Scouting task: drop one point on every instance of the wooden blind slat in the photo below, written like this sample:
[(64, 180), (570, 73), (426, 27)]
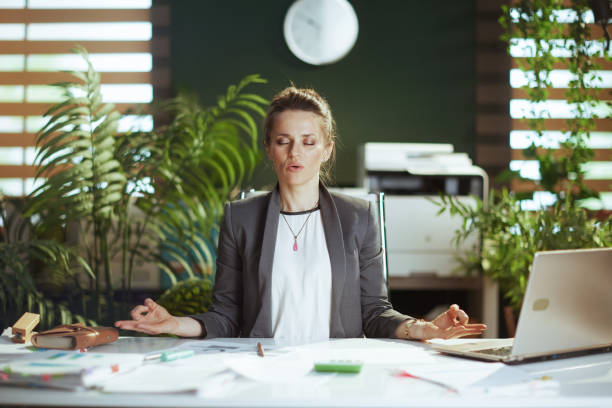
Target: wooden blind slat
[(37, 109), (600, 154), (17, 139), (564, 3), (73, 16), (65, 47), (46, 78), (492, 62), (494, 94), (492, 123), (596, 32), (605, 65), (490, 154), (17, 171), (559, 93), (601, 125), (597, 185)]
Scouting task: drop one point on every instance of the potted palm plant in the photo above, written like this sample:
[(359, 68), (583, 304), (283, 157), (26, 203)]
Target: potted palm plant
[(137, 197)]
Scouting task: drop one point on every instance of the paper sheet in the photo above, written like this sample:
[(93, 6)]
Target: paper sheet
[(11, 351), (532, 388), (370, 351), (55, 362), (462, 373), (215, 346), (285, 368), (6, 335), (218, 385), (185, 375), (224, 346)]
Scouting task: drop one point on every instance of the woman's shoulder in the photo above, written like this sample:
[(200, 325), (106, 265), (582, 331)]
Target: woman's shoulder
[(250, 203), (246, 213), (355, 212)]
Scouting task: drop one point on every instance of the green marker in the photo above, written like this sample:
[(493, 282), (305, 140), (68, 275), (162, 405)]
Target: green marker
[(170, 355), (175, 355), (339, 366)]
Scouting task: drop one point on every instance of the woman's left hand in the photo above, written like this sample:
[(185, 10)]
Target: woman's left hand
[(451, 324)]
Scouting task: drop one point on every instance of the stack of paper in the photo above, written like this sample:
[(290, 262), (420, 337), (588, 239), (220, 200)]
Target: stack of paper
[(184, 375), (67, 369)]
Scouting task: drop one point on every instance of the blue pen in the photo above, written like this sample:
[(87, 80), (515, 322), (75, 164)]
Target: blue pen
[(170, 355)]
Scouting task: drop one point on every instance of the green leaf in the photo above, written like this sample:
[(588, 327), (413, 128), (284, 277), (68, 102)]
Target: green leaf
[(169, 273), (250, 105), (104, 110), (247, 119), (53, 127), (255, 98), (105, 143), (109, 199), (237, 158)]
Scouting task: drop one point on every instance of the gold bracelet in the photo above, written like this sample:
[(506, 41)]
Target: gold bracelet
[(408, 325)]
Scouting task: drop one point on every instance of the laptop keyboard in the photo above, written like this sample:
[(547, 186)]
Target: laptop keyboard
[(497, 351)]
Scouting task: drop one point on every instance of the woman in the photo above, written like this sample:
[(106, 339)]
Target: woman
[(299, 263)]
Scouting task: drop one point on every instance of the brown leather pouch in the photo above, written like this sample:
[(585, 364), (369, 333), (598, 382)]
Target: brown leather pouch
[(74, 336)]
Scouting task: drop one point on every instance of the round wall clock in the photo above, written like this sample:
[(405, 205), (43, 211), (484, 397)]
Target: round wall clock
[(321, 31)]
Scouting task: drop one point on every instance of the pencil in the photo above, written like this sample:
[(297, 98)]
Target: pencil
[(260, 349)]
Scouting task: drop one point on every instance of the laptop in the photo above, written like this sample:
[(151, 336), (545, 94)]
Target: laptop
[(566, 311)]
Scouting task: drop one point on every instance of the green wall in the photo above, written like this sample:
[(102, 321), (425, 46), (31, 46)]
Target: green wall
[(409, 78)]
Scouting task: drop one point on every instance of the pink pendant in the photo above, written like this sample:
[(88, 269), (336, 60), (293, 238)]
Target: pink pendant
[(295, 245)]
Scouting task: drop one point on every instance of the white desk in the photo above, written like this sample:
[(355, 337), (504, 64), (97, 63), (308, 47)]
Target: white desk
[(584, 381)]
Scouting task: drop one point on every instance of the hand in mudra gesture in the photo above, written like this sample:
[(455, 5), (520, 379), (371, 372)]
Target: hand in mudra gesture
[(152, 318), (451, 324)]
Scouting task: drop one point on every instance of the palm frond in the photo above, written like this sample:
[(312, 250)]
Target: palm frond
[(201, 157), (76, 153)]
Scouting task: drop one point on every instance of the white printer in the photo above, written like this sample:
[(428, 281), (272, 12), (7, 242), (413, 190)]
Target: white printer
[(419, 242)]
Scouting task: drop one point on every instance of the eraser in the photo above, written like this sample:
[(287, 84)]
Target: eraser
[(23, 328)]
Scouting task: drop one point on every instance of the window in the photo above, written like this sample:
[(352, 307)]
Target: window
[(36, 37), (599, 171)]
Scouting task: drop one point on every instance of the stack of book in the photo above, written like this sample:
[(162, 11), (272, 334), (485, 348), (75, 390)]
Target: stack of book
[(72, 370)]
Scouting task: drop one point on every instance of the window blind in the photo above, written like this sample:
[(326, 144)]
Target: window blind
[(599, 171), (36, 38), (492, 150)]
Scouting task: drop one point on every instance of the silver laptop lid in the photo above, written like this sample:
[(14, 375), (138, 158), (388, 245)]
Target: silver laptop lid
[(568, 303)]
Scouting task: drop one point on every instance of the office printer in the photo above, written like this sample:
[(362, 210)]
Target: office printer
[(419, 242)]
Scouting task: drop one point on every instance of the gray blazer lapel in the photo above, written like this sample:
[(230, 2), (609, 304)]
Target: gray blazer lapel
[(263, 323), (335, 247)]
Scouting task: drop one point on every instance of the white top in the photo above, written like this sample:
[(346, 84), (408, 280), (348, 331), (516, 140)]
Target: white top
[(301, 279)]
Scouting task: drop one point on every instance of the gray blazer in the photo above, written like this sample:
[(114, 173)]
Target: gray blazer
[(241, 294)]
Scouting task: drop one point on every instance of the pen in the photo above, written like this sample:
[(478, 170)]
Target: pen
[(166, 356), (260, 350), (405, 374)]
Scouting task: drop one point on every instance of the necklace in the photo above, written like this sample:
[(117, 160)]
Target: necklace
[(295, 236)]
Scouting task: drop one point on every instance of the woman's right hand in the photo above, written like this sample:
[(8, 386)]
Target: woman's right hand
[(152, 318)]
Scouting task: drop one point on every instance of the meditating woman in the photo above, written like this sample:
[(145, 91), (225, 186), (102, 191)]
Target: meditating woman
[(299, 263)]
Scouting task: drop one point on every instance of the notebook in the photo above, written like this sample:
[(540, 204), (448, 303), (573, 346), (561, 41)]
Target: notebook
[(565, 311), (69, 370)]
